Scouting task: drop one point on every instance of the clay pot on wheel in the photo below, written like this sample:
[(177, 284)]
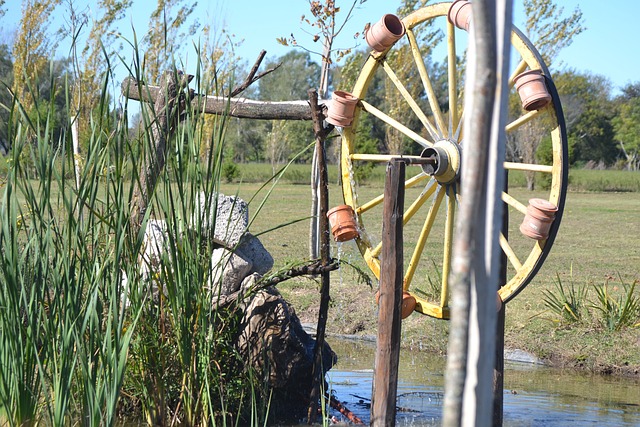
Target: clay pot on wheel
[(342, 107), (460, 14), (532, 89), (384, 33), (408, 304), (538, 220), (343, 223)]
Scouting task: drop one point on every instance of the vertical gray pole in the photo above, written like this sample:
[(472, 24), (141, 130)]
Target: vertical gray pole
[(385, 374), (475, 270)]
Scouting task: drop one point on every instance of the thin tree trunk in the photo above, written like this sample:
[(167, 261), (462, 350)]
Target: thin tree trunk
[(162, 127), (474, 281)]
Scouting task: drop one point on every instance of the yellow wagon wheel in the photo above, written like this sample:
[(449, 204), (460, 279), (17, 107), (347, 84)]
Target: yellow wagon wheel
[(432, 126)]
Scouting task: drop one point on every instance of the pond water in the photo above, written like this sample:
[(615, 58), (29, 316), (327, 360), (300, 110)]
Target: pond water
[(534, 395)]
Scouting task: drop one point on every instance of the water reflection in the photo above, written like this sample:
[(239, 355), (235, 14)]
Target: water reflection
[(533, 396)]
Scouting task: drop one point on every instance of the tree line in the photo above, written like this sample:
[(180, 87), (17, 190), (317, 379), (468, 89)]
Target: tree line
[(603, 127)]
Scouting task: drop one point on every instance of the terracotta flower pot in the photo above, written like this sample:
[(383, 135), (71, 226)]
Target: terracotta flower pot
[(460, 14), (538, 220), (343, 223), (408, 304), (384, 33), (342, 108), (532, 89)]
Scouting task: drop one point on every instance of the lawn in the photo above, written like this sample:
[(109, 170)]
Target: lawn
[(598, 243)]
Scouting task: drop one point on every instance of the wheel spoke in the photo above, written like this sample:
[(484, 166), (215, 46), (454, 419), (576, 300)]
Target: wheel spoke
[(417, 204), (448, 246), (508, 251), (395, 124), (422, 239), (453, 78), (377, 200), (522, 65), (381, 158), (412, 103), (426, 82), (522, 120), (529, 167), (509, 200)]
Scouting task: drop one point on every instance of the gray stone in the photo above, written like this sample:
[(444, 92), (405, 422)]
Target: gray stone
[(154, 243), (228, 270), (251, 249), (225, 220)]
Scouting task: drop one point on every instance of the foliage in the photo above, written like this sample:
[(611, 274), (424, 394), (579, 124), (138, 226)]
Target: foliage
[(91, 64), (568, 303), (166, 34), (626, 125), (32, 48), (80, 307), (230, 170), (617, 312), (588, 110), (549, 28)]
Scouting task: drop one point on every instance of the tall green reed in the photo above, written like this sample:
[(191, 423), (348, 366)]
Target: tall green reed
[(64, 252)]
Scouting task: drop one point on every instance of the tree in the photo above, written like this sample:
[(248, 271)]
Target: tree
[(291, 81), (32, 48), (166, 34), (550, 30), (626, 125), (586, 100), (91, 65)]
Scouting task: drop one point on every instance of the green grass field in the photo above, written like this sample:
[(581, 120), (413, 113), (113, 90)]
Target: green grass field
[(598, 243)]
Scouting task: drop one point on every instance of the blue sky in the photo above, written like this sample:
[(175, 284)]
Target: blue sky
[(604, 48)]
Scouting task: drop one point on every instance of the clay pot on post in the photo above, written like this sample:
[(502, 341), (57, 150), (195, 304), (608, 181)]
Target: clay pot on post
[(343, 223), (342, 108), (460, 14), (538, 220), (532, 89), (384, 33)]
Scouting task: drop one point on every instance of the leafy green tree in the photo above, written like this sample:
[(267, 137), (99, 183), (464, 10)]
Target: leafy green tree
[(550, 30), (91, 65), (32, 49), (166, 34), (297, 74), (586, 100), (626, 125)]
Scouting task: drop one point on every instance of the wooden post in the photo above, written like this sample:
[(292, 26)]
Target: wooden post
[(162, 127), (325, 256), (498, 370), (385, 374)]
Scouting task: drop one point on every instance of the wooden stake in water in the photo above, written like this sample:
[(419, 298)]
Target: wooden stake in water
[(385, 375)]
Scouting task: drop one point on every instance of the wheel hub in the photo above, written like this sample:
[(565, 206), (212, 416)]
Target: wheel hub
[(446, 167)]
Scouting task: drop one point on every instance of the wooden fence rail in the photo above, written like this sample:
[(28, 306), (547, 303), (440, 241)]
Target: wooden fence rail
[(244, 108)]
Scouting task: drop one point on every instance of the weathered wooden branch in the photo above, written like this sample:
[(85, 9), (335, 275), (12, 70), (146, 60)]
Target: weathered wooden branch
[(320, 132), (166, 107), (243, 108), (252, 77), (313, 268)]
